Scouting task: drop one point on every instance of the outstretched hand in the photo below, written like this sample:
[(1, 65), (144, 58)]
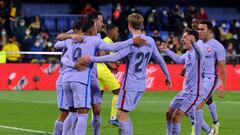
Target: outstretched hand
[(139, 41), (82, 63)]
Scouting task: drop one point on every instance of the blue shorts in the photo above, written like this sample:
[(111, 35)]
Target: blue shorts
[(61, 99), (77, 94), (127, 100)]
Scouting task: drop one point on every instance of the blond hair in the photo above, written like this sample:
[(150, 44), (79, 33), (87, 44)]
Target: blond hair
[(136, 20)]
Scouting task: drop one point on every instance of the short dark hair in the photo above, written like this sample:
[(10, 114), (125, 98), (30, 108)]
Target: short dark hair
[(110, 27), (86, 25), (208, 23), (93, 15), (77, 25), (192, 32)]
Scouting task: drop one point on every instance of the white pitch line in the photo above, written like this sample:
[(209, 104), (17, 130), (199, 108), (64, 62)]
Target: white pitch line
[(25, 130)]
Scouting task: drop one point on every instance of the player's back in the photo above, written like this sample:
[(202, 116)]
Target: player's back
[(74, 51), (137, 60)]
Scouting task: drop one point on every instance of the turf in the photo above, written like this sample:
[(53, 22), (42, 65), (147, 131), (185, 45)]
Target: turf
[(37, 110)]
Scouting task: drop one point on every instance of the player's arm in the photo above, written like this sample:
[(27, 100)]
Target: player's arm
[(64, 36), (120, 45), (60, 45), (221, 57), (112, 57), (159, 60), (222, 65), (85, 60), (69, 63), (177, 58), (198, 50)]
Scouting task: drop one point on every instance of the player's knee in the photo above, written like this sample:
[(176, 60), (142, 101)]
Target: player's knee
[(176, 117), (63, 115), (96, 109), (116, 92), (122, 115), (82, 110), (209, 101), (169, 115)]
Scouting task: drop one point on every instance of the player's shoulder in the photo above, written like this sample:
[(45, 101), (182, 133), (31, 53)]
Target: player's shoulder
[(217, 44)]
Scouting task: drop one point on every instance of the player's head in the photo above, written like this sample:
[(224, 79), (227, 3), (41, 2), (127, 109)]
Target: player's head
[(89, 28), (112, 32), (205, 30), (97, 18), (77, 27), (195, 23), (135, 22), (189, 37)]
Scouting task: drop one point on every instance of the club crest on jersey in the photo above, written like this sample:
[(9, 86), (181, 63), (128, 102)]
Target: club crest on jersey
[(209, 49)]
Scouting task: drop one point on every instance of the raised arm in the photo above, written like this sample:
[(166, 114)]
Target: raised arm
[(198, 50), (177, 58), (112, 57), (121, 45), (159, 60), (115, 46), (60, 45)]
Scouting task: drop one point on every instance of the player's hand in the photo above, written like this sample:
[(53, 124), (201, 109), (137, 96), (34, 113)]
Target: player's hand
[(77, 37), (168, 83), (221, 93), (82, 63), (139, 41), (113, 67), (182, 73), (163, 46)]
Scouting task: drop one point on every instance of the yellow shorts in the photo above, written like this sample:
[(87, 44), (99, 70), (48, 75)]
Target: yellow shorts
[(106, 79)]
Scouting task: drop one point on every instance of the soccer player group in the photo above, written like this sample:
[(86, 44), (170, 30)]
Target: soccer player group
[(78, 82)]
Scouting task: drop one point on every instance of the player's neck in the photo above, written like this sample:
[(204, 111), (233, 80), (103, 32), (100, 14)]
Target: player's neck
[(136, 32)]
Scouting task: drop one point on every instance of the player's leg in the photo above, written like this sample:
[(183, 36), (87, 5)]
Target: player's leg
[(68, 124), (62, 105), (113, 117), (96, 106), (198, 118), (213, 110), (127, 101), (176, 120), (210, 87), (82, 101), (189, 104), (175, 103)]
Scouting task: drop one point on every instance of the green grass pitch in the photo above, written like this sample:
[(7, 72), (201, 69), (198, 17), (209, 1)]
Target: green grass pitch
[(37, 110)]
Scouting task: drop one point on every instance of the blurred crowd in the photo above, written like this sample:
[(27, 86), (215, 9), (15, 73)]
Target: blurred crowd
[(19, 33)]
